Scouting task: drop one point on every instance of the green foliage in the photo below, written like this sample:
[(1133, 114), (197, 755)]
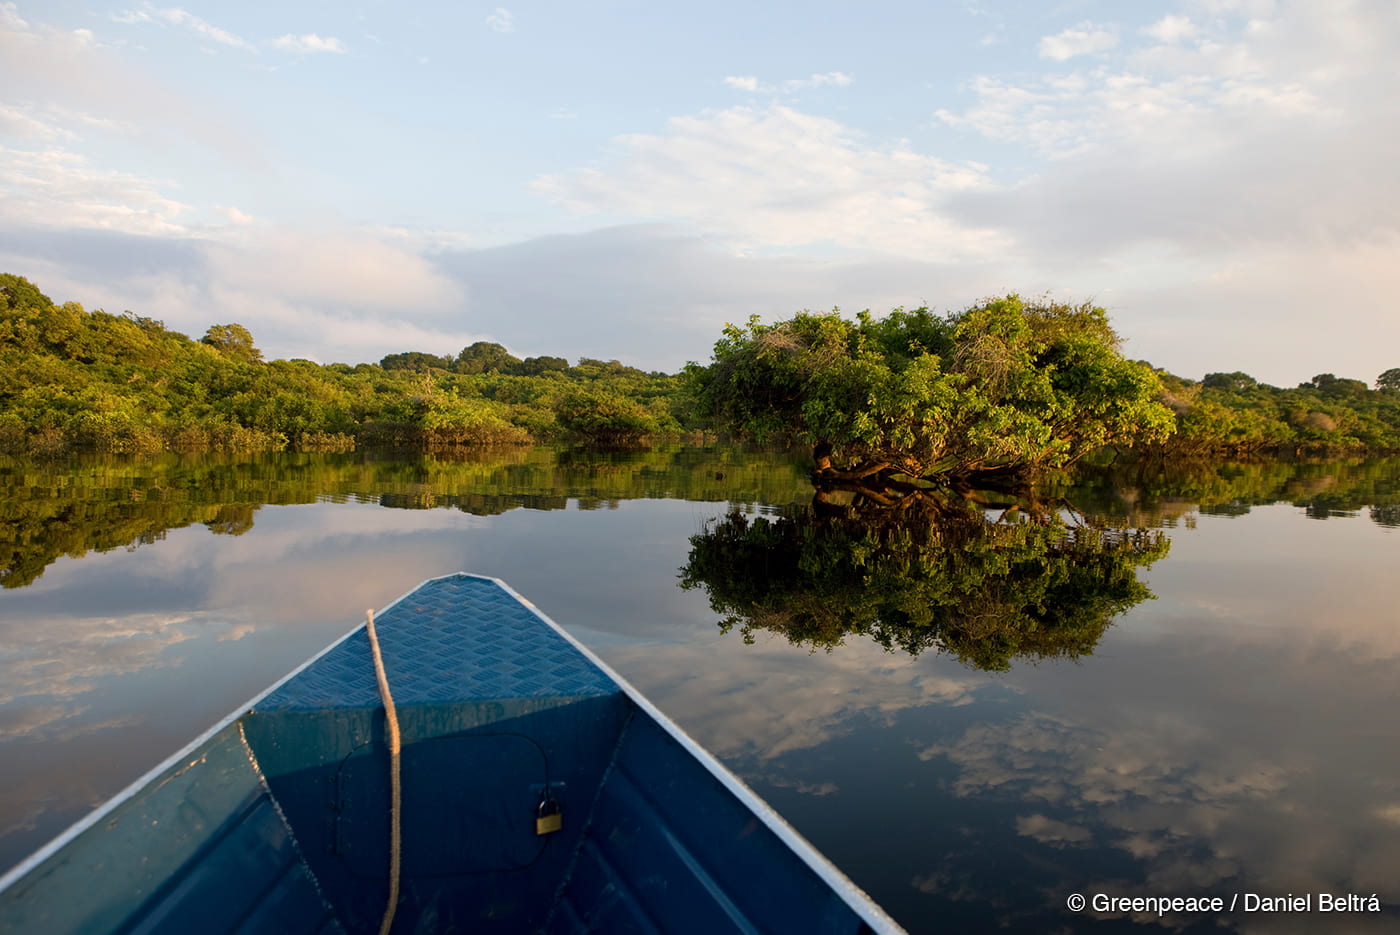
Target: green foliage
[(1006, 386), (1337, 387), (605, 417), (591, 369), (1236, 382), (484, 357), (417, 361), (19, 293), (534, 366), (77, 380), (1231, 414), (234, 341)]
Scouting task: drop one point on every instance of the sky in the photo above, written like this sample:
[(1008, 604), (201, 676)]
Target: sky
[(621, 179)]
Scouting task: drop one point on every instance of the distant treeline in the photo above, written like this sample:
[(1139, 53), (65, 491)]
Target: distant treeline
[(71, 379), (1234, 414)]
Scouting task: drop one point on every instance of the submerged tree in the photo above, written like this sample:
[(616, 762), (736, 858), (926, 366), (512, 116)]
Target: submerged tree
[(1005, 388), (934, 573)]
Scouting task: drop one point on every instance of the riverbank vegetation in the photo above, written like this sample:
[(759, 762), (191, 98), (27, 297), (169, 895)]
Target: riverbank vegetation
[(71, 379), (1005, 387)]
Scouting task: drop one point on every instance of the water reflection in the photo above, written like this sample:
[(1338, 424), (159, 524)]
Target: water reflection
[(1231, 735), (48, 510), (1201, 751), (930, 571)]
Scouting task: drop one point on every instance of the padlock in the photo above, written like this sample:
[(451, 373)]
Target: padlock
[(548, 817)]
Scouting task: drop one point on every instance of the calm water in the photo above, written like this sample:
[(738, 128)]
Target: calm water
[(1233, 733)]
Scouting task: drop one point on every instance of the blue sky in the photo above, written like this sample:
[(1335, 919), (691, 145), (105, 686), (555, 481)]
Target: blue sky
[(620, 179)]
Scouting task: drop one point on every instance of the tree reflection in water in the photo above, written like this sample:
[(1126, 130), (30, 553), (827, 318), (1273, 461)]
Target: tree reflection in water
[(987, 580)]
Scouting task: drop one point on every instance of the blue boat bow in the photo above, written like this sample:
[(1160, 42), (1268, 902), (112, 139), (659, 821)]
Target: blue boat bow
[(540, 793)]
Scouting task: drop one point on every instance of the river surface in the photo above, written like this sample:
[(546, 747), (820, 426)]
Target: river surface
[(1220, 721)]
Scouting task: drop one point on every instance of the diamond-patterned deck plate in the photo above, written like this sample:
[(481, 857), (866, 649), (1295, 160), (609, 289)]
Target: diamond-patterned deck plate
[(454, 639)]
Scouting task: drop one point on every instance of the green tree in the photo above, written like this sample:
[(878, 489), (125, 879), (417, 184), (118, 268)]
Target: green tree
[(534, 366), (233, 341), (484, 357), (418, 361), (1004, 388), (1389, 382), (16, 292), (605, 417), (1237, 382)]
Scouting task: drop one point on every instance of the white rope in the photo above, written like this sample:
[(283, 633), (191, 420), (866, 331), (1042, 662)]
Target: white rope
[(391, 718)]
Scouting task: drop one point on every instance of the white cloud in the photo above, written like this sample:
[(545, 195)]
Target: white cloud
[(65, 658), (1231, 184), (751, 84), (1172, 28), (789, 704), (175, 16), (234, 215), (303, 293), (1051, 832), (308, 44), (1264, 299), (831, 78), (54, 188), (72, 83), (1193, 146), (20, 121), (21, 43), (78, 118), (657, 295), (1208, 785), (332, 270), (775, 176), (501, 20), (423, 241), (1084, 39), (10, 18)]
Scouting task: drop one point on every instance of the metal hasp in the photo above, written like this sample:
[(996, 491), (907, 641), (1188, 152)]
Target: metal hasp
[(277, 819)]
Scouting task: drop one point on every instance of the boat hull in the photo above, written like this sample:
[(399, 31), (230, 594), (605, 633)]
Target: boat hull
[(278, 819)]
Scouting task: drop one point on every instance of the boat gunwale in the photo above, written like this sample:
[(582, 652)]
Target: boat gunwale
[(839, 883)]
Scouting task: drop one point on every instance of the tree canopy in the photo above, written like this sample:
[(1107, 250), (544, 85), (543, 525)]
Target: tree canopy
[(234, 340), (1004, 387), (485, 356)]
